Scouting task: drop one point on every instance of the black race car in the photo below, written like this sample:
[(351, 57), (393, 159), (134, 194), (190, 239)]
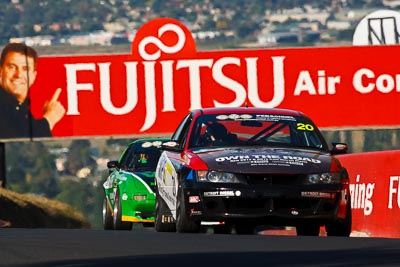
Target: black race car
[(243, 168)]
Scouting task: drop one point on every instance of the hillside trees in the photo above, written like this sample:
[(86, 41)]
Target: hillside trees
[(85, 197), (31, 169), (79, 156)]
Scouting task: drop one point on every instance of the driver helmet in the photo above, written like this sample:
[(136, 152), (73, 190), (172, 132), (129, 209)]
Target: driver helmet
[(216, 132)]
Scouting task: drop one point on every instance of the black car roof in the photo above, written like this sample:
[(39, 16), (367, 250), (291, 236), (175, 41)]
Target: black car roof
[(224, 110)]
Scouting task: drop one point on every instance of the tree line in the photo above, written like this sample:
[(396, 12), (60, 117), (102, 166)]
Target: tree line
[(64, 17)]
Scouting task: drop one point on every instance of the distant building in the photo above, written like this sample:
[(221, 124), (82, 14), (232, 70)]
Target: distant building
[(298, 14), (278, 37), (338, 25), (79, 39), (391, 3), (42, 40)]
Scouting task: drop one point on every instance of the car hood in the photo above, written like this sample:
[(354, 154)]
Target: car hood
[(146, 177), (271, 160)]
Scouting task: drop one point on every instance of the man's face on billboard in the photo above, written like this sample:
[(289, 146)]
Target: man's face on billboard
[(17, 74)]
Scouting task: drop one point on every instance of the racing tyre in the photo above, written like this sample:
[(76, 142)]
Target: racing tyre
[(107, 216), (310, 229), (183, 222), (340, 228), (118, 223), (160, 211)]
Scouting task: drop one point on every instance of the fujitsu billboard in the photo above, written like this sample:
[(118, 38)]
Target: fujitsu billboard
[(151, 89)]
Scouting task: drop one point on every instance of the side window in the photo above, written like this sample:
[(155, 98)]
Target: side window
[(198, 130), (126, 158), (180, 134)]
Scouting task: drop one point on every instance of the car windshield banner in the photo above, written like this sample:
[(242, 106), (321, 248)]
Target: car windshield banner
[(151, 89)]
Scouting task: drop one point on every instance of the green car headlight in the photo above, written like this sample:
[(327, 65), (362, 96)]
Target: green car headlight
[(323, 178), (217, 177)]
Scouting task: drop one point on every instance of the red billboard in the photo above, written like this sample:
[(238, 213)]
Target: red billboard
[(375, 192), (150, 90)]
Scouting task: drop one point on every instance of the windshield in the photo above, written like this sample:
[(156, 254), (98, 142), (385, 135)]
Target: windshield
[(255, 129), (143, 160)]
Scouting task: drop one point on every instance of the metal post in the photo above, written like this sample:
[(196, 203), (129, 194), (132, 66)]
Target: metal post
[(2, 165)]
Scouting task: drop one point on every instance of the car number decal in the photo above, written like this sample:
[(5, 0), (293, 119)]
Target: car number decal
[(305, 127)]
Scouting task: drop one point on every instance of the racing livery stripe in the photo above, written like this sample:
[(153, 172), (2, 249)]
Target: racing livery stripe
[(141, 180), (134, 219)]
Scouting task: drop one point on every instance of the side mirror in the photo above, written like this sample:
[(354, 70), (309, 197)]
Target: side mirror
[(112, 164), (339, 148)]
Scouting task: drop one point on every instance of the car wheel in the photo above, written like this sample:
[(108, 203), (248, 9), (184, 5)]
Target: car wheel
[(118, 223), (310, 229), (183, 222), (107, 216), (245, 228), (340, 228), (160, 211)]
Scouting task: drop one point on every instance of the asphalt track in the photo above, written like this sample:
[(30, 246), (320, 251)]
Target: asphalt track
[(145, 247)]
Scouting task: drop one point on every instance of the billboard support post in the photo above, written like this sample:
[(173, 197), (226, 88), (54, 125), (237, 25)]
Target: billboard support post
[(2, 165)]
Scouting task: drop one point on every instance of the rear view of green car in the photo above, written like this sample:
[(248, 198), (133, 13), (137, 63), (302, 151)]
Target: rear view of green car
[(129, 195)]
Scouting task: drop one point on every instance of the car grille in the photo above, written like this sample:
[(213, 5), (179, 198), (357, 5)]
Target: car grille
[(267, 179), (265, 206)]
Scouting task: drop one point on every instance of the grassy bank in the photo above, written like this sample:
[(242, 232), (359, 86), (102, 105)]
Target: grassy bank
[(30, 211)]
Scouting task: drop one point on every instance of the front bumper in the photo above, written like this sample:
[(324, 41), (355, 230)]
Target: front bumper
[(138, 211), (283, 205)]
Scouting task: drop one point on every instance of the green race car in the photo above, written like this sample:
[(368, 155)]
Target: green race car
[(129, 189)]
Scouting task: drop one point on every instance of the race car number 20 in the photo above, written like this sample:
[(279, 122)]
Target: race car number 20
[(305, 127)]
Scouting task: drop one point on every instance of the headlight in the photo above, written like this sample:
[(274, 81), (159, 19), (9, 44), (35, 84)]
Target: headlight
[(217, 177), (323, 178)]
